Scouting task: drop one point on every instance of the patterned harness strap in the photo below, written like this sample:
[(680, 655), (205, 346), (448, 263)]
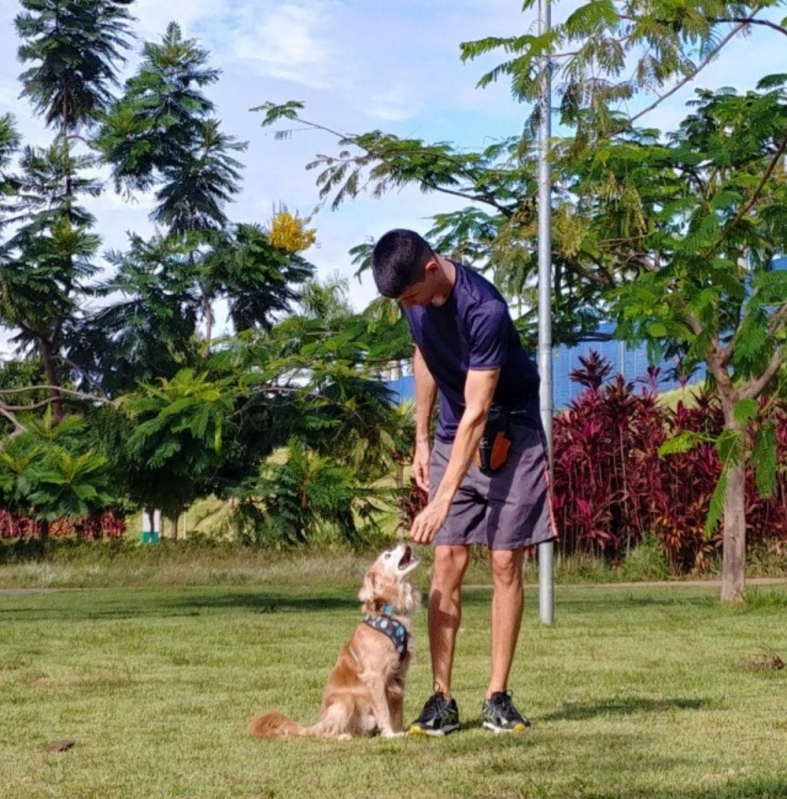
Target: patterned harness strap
[(392, 628)]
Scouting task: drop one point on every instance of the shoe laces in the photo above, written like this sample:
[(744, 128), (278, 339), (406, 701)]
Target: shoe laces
[(436, 703), (501, 701)]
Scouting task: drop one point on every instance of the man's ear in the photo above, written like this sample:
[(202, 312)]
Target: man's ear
[(431, 265)]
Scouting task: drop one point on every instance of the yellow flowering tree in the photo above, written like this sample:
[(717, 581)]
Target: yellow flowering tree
[(289, 232)]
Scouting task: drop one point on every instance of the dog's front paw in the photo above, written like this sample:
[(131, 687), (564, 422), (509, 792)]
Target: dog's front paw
[(391, 734)]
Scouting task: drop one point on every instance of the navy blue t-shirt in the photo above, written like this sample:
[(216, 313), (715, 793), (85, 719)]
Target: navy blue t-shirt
[(473, 329)]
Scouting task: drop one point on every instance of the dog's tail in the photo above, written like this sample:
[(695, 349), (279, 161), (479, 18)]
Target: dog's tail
[(275, 725)]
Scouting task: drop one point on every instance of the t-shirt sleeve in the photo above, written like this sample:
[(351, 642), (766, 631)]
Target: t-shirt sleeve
[(488, 326)]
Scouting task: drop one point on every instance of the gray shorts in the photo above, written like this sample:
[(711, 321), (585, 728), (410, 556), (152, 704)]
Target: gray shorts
[(508, 509)]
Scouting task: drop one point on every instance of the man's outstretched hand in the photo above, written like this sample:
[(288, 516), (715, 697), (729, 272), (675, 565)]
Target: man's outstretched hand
[(428, 522)]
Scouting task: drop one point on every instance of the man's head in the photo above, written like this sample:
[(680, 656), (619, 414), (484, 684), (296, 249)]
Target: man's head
[(399, 262)]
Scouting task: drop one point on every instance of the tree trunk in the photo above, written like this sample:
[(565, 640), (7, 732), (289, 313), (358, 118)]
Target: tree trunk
[(733, 568), (51, 376), (733, 559)]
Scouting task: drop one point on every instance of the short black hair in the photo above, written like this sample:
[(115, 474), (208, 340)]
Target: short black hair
[(398, 261)]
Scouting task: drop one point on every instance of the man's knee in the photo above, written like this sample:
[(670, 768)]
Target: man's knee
[(506, 567), (450, 565)]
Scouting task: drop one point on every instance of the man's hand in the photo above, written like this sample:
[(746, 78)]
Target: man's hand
[(428, 522), (421, 465)]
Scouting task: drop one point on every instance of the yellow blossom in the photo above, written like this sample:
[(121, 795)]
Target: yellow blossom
[(289, 232)]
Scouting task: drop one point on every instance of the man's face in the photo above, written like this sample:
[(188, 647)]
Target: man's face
[(422, 292)]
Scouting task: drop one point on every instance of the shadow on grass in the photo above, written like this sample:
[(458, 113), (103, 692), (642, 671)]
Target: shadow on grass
[(609, 599), (767, 788), (623, 707), (92, 605), (102, 604)]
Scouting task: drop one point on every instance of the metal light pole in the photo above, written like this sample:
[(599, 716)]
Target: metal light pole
[(546, 552)]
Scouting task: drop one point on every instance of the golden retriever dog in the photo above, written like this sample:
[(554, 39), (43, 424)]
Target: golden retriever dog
[(365, 691)]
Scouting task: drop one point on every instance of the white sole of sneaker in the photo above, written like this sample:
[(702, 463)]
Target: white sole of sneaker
[(488, 725), (432, 733)]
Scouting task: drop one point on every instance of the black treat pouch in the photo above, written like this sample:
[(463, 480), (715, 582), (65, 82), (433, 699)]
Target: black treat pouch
[(494, 445)]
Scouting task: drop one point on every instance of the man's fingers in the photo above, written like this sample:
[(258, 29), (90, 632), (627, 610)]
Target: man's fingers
[(422, 478)]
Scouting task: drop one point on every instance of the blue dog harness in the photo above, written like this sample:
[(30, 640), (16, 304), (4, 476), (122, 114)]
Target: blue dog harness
[(390, 627)]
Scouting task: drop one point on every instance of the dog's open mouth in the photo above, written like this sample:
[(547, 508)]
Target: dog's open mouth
[(407, 561)]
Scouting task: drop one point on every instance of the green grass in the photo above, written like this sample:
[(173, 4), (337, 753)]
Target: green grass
[(647, 692)]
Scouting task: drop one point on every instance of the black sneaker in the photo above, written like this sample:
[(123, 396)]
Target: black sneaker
[(500, 715), (439, 717)]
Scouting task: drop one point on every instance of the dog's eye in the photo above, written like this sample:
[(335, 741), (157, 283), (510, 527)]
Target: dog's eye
[(387, 555)]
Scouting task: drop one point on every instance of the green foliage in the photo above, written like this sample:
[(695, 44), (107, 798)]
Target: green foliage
[(75, 47), (604, 53), (685, 441), (161, 131), (646, 561), (190, 416), (69, 486), (47, 262), (147, 329), (172, 446), (53, 471), (308, 496), (260, 282), (9, 142), (765, 459)]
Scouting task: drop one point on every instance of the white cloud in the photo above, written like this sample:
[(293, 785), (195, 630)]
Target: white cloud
[(282, 41), (153, 16)]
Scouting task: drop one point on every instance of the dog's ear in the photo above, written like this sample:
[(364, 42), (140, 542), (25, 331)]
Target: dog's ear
[(368, 587)]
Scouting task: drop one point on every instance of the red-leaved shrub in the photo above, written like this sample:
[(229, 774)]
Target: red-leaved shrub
[(94, 528), (611, 487)]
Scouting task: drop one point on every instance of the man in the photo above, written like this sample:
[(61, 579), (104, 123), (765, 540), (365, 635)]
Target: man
[(468, 354)]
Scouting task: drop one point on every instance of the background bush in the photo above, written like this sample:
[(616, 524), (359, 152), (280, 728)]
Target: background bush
[(612, 489)]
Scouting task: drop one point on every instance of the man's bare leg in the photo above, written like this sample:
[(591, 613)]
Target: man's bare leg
[(507, 605), (445, 611)]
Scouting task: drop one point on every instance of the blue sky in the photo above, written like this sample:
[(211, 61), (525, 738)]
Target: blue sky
[(358, 65)]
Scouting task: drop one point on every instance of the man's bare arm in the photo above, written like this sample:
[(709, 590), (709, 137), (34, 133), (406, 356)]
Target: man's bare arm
[(479, 391), (425, 396)]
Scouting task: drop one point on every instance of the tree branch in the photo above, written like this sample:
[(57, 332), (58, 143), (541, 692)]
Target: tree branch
[(750, 204), (713, 53), (19, 428), (76, 394), (757, 386)]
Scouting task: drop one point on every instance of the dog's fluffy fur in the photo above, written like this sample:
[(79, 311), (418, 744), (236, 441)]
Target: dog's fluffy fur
[(365, 691)]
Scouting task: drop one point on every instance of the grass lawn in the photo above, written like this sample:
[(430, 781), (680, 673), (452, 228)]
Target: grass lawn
[(642, 691)]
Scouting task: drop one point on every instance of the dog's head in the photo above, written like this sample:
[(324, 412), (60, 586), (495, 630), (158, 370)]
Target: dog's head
[(386, 583)]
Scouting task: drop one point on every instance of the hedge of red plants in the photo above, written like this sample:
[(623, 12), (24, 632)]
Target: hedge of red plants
[(93, 528), (611, 488)]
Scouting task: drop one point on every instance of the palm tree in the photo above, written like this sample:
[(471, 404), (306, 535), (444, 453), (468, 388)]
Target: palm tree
[(9, 141), (147, 331), (260, 282), (48, 259), (157, 123), (172, 444), (75, 46), (197, 187)]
